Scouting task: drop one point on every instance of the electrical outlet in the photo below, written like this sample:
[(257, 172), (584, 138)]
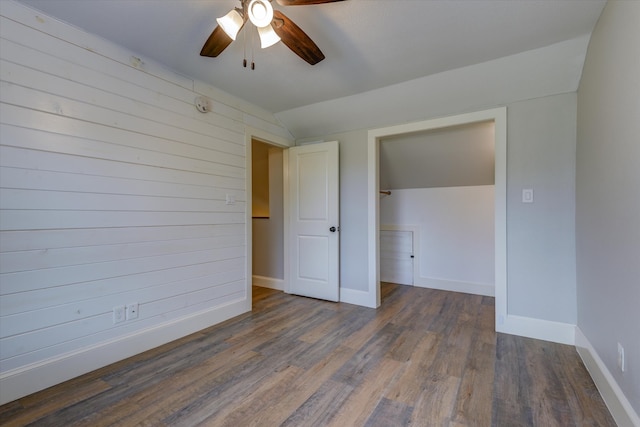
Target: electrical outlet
[(132, 311), (621, 357), (119, 314)]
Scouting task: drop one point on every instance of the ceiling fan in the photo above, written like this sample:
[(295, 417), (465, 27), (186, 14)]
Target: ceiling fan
[(272, 26)]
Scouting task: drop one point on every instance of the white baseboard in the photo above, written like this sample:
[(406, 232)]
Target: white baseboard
[(352, 296), (268, 282), (455, 286), (619, 406), (546, 330), (26, 380)]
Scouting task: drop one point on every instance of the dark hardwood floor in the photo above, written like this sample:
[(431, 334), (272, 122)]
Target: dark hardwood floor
[(425, 358)]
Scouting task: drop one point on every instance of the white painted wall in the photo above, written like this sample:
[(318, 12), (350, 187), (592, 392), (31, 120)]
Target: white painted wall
[(456, 156), (540, 147), (456, 232), (608, 203), (112, 191), (541, 235), (353, 210), (546, 79)]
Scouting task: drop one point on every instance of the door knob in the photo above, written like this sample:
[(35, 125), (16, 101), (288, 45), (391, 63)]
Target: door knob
[(332, 229)]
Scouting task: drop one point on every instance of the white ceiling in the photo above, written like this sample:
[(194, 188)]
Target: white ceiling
[(368, 44)]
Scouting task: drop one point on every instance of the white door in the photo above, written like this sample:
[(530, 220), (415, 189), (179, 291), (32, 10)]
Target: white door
[(396, 257), (313, 217)]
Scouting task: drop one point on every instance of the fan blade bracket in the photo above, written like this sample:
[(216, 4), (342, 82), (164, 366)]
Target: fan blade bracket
[(277, 23)]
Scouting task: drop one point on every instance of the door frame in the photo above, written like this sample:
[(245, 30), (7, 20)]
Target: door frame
[(284, 143), (499, 117)]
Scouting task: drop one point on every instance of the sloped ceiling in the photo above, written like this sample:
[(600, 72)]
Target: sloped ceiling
[(369, 44), (448, 157)]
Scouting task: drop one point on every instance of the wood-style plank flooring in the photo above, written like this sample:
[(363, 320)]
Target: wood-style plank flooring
[(425, 358)]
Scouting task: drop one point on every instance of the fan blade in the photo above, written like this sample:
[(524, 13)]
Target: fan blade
[(296, 39), (303, 2), (216, 43)]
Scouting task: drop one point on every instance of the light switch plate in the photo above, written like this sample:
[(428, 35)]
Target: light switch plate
[(527, 195)]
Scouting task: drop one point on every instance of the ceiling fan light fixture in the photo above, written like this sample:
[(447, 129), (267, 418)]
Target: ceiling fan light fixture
[(268, 36), (260, 13), (231, 23), (272, 25)]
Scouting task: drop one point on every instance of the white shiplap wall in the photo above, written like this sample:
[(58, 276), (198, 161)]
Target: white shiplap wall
[(112, 191)]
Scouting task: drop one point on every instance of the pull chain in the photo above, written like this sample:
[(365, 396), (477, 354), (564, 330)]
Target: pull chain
[(253, 64), (244, 47)]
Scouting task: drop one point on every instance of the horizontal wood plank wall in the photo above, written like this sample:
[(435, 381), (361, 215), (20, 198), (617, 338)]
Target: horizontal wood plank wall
[(112, 191)]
